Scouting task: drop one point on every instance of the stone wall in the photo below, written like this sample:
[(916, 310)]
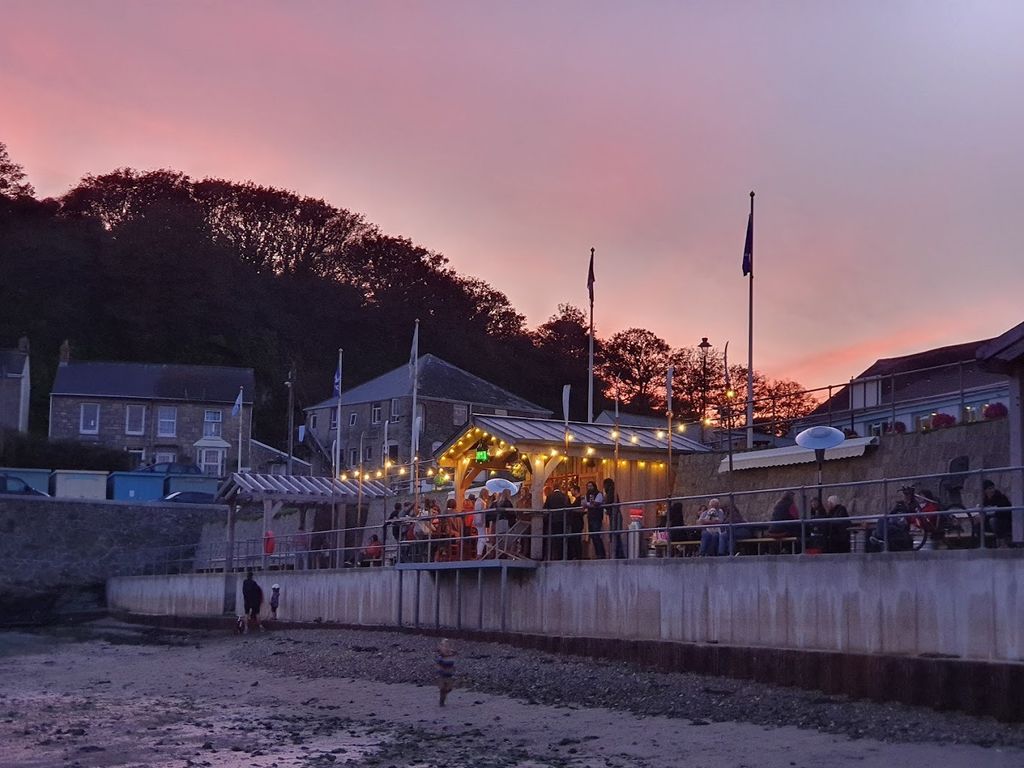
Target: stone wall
[(896, 456), (55, 554)]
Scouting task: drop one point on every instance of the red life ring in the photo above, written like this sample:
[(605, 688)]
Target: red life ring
[(269, 545)]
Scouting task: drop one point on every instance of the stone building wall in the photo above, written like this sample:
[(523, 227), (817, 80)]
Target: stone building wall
[(897, 456), (56, 552)]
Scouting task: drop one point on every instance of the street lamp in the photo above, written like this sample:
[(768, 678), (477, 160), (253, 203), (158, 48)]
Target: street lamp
[(704, 346)]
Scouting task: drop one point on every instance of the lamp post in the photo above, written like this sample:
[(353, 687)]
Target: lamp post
[(704, 346)]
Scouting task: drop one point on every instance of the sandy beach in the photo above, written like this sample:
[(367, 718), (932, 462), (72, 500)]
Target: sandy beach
[(110, 694)]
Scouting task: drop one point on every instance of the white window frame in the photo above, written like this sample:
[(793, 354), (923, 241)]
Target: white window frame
[(218, 464), (376, 413), (391, 452), (396, 405), (139, 453), (334, 420), (95, 429), (165, 457), (312, 421), (353, 418), (162, 419), (367, 454), (353, 457), (213, 427), (128, 409), (460, 414)]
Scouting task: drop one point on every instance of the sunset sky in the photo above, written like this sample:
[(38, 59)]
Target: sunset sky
[(885, 141)]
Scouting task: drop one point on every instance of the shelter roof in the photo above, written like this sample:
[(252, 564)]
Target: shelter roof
[(528, 432), (1001, 353), (794, 454), (631, 419), (154, 381), (297, 489), (438, 379)]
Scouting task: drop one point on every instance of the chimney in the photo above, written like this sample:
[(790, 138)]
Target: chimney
[(65, 352), (23, 344)]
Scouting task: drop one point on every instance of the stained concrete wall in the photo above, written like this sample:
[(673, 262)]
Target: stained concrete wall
[(896, 456), (966, 604)]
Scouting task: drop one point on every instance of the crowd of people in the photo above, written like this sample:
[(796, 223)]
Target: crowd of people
[(575, 517)]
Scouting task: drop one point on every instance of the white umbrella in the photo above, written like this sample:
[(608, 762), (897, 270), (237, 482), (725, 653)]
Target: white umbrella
[(499, 484)]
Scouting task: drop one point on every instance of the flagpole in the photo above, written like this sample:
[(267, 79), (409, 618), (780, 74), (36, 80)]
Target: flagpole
[(668, 413), (750, 333), (414, 359), (337, 433), (241, 418), (590, 368)]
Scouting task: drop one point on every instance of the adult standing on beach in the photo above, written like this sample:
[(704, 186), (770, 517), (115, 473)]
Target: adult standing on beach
[(252, 599)]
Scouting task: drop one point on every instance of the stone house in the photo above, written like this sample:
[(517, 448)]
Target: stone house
[(376, 415), (158, 413), (15, 387)]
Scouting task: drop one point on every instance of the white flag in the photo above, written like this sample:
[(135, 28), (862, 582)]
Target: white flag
[(414, 354), (237, 408), (565, 402)]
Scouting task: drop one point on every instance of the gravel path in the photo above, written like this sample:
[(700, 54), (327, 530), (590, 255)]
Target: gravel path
[(567, 681)]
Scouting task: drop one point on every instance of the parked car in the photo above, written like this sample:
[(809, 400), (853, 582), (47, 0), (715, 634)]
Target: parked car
[(190, 497), (15, 485), (173, 468)]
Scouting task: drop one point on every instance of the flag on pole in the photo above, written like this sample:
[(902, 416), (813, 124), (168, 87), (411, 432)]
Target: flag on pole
[(748, 247), (337, 379), (565, 403), (590, 277), (414, 354), (237, 407)]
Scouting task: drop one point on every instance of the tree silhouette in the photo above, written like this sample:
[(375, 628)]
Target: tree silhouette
[(12, 177)]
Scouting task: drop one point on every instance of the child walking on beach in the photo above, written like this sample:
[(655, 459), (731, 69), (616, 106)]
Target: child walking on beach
[(445, 669)]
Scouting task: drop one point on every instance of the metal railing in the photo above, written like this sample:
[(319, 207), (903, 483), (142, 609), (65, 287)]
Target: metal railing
[(563, 534)]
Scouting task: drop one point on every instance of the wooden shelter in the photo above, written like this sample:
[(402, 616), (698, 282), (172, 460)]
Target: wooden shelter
[(336, 503), (542, 452)]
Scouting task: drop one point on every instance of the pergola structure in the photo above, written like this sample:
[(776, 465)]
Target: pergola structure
[(272, 492), (543, 451)]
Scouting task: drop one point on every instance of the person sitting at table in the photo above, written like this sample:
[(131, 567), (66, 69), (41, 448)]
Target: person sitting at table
[(835, 526), (373, 550), (892, 531), (999, 522), (783, 513), (730, 535), (709, 536)]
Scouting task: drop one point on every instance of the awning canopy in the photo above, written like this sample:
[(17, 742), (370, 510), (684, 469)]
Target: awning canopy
[(526, 434), (297, 489), (794, 454)]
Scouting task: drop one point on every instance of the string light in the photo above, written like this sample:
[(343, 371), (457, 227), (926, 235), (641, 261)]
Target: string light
[(634, 439), (590, 451), (661, 434)]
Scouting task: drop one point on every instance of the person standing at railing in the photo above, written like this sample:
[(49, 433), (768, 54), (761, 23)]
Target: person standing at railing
[(556, 504), (613, 504), (574, 523), (480, 520), (593, 504)]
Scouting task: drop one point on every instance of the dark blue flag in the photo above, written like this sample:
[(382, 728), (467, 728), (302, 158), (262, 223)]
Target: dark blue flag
[(748, 248)]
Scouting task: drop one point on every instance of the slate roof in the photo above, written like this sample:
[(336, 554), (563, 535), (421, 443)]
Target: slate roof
[(1001, 353), (521, 431), (12, 362), (154, 381), (631, 419), (923, 375), (438, 379)]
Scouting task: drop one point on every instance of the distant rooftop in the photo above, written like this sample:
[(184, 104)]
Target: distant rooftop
[(154, 381), (438, 379), (12, 362)]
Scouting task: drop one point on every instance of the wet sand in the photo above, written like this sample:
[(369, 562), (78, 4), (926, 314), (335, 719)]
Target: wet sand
[(114, 695)]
